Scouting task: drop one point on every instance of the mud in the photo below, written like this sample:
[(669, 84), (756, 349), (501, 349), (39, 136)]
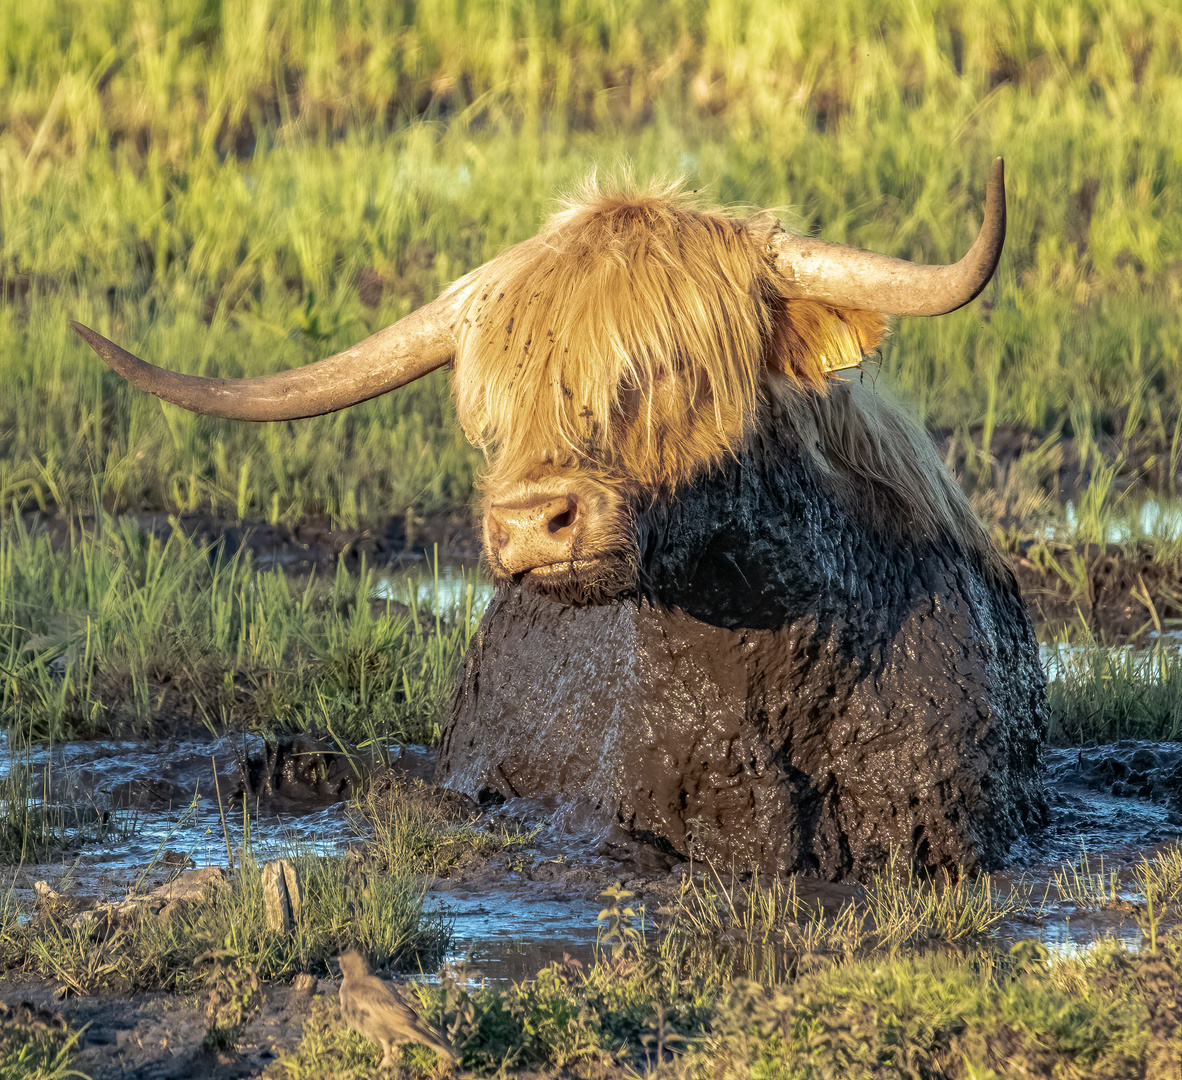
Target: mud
[(178, 803), (312, 544), (518, 911), (1131, 768), (795, 681), (160, 1036)]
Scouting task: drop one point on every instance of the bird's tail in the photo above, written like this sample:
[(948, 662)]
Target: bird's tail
[(437, 1042)]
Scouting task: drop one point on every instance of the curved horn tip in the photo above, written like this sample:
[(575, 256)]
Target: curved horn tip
[(111, 354), (996, 184), (91, 337)]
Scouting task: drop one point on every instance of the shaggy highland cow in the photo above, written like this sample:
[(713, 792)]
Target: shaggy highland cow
[(741, 608)]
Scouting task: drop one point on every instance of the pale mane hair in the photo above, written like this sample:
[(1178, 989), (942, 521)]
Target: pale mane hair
[(640, 337)]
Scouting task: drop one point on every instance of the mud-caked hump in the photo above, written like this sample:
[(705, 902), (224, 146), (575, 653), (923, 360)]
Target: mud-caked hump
[(801, 689)]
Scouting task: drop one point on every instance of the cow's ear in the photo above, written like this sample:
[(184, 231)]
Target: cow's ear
[(810, 339)]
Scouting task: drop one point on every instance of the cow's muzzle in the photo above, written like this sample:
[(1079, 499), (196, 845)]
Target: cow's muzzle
[(534, 534)]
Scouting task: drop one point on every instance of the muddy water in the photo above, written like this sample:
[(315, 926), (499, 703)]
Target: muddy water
[(448, 587), (182, 800), (520, 912), (168, 802)]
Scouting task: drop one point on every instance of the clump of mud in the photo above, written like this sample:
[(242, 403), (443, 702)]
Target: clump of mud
[(1131, 768)]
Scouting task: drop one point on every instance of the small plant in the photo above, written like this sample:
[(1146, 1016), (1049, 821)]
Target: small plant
[(1160, 875), (233, 995), (617, 923), (412, 828), (906, 909), (1090, 887), (35, 1044)]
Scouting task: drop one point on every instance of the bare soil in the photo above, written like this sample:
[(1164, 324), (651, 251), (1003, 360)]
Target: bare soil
[(160, 1036), (1120, 591)]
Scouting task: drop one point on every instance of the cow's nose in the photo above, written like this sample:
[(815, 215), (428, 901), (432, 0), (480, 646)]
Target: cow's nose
[(533, 533)]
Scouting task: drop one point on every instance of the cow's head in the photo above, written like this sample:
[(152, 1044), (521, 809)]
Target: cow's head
[(621, 352)]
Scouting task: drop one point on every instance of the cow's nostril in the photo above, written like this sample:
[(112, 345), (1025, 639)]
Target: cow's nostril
[(565, 518)]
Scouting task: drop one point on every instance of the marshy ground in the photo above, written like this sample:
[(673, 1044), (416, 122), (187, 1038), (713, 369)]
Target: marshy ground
[(221, 643), (180, 703)]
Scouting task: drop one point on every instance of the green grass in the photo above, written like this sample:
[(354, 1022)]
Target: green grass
[(385, 915), (297, 175), (123, 632), (37, 1056), (1099, 694), (407, 826), (988, 1012), (762, 929)]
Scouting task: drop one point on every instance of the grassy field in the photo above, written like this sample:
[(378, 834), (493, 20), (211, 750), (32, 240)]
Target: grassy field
[(237, 186), (125, 634), (983, 1016), (119, 633)]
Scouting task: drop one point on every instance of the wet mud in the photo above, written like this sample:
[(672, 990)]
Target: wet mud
[(160, 1036), (513, 912), (516, 910), (309, 545)]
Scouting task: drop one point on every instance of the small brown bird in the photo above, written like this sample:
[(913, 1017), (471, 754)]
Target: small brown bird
[(374, 1008)]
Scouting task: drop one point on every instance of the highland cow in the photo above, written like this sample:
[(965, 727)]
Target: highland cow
[(741, 608)]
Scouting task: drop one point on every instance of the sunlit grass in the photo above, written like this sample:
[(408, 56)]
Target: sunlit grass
[(652, 1005), (123, 632), (243, 187), (406, 826), (763, 927), (38, 1056), (385, 915)]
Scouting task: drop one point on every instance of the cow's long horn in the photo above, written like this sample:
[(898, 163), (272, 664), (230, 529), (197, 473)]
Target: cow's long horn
[(392, 357), (853, 278)]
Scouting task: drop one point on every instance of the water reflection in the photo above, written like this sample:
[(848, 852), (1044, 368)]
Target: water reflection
[(1159, 519), (451, 588)]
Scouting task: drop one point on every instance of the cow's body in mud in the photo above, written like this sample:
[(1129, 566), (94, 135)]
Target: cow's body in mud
[(741, 607), (791, 688)]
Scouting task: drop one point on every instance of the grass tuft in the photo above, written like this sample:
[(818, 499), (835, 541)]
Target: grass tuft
[(385, 916), (125, 633), (409, 827), (1101, 694)]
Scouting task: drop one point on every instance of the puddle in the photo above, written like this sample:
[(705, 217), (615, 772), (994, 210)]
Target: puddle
[(164, 798), (1117, 802), (503, 936), (1159, 519), (450, 588), (1150, 661)]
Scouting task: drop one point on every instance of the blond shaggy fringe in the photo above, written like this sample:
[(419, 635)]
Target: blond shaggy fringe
[(640, 335)]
